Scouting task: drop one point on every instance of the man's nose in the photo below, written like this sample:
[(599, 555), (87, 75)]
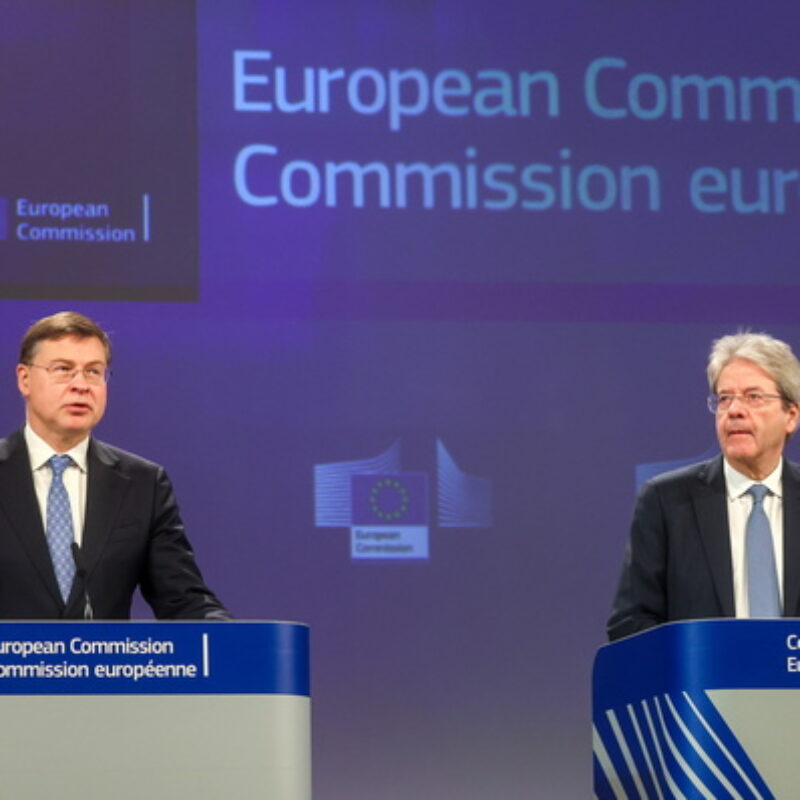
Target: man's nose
[(737, 405), (78, 380)]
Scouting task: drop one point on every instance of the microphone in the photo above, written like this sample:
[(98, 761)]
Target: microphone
[(81, 574)]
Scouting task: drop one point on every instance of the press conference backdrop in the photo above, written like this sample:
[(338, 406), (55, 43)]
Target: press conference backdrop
[(403, 294)]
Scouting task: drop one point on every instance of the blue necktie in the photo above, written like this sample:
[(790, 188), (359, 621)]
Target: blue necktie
[(762, 577), (59, 526)]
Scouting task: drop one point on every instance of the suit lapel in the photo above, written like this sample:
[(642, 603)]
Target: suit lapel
[(791, 539), (711, 508), (21, 508), (106, 488)]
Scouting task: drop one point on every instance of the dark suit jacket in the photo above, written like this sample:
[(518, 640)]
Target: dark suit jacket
[(133, 536), (678, 562)]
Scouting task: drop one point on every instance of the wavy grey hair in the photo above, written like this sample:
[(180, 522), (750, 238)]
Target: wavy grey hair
[(772, 355)]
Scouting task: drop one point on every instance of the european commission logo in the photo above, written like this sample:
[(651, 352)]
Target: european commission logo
[(390, 515), (70, 222), (389, 511)]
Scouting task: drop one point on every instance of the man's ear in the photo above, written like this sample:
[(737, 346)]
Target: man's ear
[(791, 423), (23, 379)]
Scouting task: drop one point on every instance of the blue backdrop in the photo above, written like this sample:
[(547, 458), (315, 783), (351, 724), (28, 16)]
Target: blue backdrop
[(401, 294)]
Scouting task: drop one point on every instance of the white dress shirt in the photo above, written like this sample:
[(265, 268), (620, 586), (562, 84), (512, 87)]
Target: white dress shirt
[(739, 506)]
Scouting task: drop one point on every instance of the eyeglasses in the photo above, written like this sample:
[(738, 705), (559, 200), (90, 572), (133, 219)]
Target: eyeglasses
[(62, 373), (722, 402)]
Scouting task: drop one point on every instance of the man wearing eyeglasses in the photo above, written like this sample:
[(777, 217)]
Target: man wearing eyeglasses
[(722, 538), (82, 524)]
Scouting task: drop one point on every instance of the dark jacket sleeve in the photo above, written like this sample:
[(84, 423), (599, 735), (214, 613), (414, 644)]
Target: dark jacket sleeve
[(171, 581), (641, 598), (678, 562)]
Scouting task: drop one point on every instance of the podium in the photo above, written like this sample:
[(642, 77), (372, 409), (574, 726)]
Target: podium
[(704, 709), (124, 710)]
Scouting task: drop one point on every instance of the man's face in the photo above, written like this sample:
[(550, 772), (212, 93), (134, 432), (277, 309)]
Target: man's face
[(63, 413), (752, 439)]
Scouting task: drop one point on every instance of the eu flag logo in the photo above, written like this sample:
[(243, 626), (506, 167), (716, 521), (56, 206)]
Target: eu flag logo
[(399, 498)]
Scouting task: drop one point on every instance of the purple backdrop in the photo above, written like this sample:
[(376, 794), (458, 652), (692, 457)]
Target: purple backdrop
[(505, 310)]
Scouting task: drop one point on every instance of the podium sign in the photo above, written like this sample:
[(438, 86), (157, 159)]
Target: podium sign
[(704, 709), (126, 710)]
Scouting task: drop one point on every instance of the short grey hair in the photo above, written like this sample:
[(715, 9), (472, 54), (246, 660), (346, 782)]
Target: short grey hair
[(772, 355)]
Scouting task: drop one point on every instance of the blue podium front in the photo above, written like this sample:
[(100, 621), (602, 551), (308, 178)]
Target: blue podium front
[(704, 709), (202, 710)]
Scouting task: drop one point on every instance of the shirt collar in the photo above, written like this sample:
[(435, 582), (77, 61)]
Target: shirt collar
[(40, 452), (738, 484)]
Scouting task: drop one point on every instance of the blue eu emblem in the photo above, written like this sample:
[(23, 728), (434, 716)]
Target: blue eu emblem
[(390, 515)]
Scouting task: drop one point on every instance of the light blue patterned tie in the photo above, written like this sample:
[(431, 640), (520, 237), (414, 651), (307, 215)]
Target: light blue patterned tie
[(59, 526), (762, 577)]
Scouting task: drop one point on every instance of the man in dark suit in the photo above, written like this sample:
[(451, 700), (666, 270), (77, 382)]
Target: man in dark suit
[(692, 550), (59, 486)]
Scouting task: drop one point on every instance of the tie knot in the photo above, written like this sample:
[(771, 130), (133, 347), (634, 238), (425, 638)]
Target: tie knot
[(758, 491), (58, 464)]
